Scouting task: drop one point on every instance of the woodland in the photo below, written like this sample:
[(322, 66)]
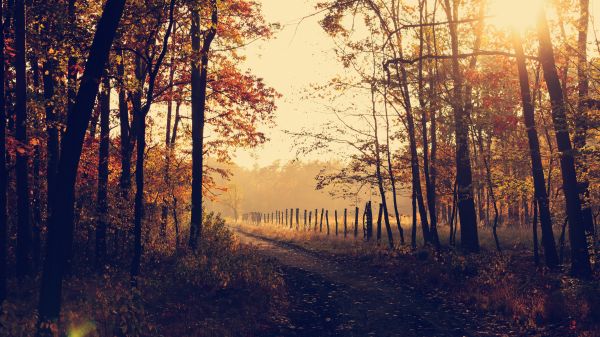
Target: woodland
[(470, 144)]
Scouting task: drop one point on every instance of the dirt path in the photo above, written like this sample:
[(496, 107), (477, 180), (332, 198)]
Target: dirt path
[(330, 298)]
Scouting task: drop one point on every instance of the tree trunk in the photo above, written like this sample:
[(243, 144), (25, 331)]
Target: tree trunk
[(430, 190), (581, 118), (3, 173), (102, 202), (537, 169), (125, 178), (199, 83), (580, 260), (378, 171), (23, 251), (391, 168), (466, 205), (369, 216), (536, 256), (60, 224)]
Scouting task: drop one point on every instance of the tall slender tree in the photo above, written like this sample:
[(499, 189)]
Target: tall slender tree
[(23, 252), (464, 177), (199, 70), (102, 193), (537, 170), (3, 178), (60, 223), (580, 260)]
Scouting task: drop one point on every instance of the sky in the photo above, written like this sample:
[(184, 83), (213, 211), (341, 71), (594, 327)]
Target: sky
[(301, 54), (298, 56)]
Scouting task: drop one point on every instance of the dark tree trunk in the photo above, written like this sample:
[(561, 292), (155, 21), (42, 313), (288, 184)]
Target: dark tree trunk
[(413, 233), (466, 205), (36, 217), (580, 260), (23, 251), (391, 169), (102, 202), (581, 118), (536, 255), (3, 173), (145, 73), (60, 224), (52, 151), (140, 126), (378, 172), (369, 216), (72, 62), (430, 190), (164, 218), (537, 169), (125, 178), (199, 83)]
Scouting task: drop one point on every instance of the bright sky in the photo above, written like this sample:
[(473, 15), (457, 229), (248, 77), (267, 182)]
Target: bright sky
[(298, 56), (301, 54)]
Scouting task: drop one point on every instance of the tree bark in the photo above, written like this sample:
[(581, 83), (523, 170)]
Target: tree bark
[(3, 173), (580, 260), (582, 118), (464, 178), (537, 169), (102, 196), (199, 83), (23, 251), (60, 224)]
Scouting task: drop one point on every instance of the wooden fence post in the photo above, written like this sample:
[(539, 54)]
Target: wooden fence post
[(305, 220), (321, 222), (345, 224), (316, 213), (309, 220), (286, 217), (356, 210), (297, 218), (327, 220), (379, 223), (336, 223)]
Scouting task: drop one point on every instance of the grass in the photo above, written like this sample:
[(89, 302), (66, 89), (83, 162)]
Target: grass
[(509, 284), (225, 289)]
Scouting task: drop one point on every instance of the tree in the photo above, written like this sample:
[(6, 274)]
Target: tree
[(24, 227), (3, 173), (199, 83), (103, 170), (464, 179), (537, 170), (580, 261), (60, 223)]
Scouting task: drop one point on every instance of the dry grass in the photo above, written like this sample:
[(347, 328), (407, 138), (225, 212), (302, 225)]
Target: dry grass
[(507, 284)]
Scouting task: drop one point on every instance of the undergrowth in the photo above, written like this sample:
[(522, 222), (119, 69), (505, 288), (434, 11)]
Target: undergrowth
[(224, 289), (507, 284)]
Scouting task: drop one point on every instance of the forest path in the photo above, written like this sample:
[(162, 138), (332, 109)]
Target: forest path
[(328, 297)]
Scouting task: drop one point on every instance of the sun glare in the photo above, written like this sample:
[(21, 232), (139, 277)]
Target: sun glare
[(514, 14)]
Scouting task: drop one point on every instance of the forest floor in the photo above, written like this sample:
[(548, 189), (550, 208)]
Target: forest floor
[(340, 294)]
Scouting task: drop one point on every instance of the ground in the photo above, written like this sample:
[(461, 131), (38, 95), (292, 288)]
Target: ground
[(346, 297)]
